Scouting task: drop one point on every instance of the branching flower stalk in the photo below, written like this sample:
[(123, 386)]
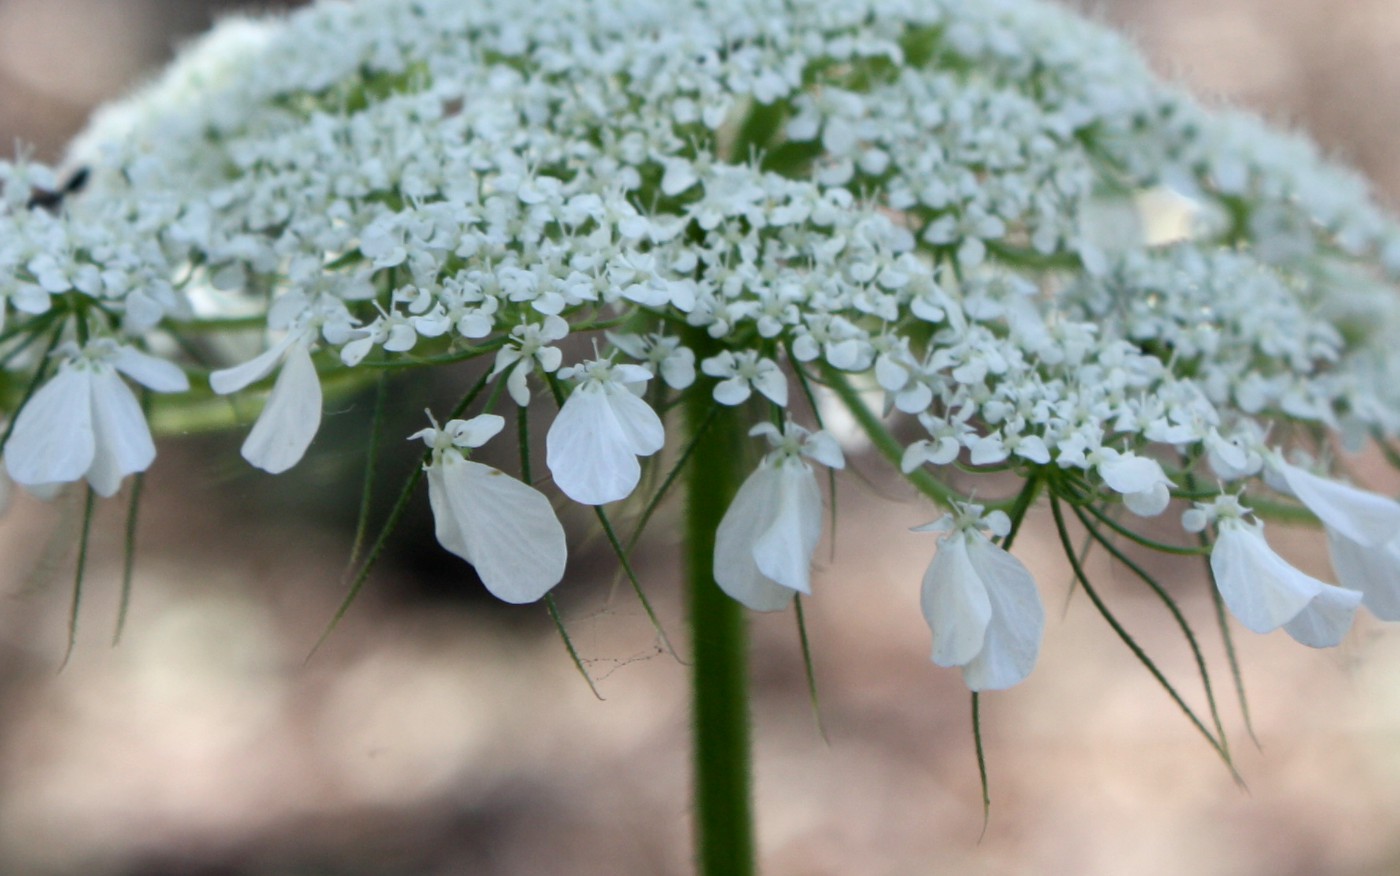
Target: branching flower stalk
[(692, 232)]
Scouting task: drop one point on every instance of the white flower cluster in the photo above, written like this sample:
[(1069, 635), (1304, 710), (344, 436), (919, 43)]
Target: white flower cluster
[(733, 197)]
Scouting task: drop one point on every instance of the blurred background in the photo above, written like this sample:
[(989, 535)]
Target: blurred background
[(438, 732)]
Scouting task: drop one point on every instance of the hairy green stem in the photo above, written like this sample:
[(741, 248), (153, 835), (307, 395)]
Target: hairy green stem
[(723, 799)]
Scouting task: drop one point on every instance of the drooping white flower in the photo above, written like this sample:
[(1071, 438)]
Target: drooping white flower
[(292, 414), (1375, 571), (764, 544), (603, 426), (1261, 589), (86, 422), (980, 602), (506, 529), (1362, 516), (1145, 488)]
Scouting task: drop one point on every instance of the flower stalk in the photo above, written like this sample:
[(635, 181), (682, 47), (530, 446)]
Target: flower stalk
[(720, 734)]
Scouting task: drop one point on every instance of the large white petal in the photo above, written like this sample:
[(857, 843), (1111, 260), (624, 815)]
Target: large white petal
[(1012, 642), (1326, 620), (1375, 571), (52, 441), (1131, 474), (233, 379), (748, 516), (588, 451), (504, 528), (1261, 589), (783, 551), (1360, 515), (955, 603), (150, 371), (123, 440), (290, 418), (638, 422)]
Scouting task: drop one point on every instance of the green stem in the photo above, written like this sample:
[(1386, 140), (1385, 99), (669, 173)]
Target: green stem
[(724, 831)]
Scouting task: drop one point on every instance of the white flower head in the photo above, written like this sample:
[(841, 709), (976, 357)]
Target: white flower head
[(764, 544), (603, 426), (980, 602), (1261, 589), (506, 529), (86, 422)]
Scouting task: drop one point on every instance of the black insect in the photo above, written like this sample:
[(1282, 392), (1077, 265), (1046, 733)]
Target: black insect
[(51, 200)]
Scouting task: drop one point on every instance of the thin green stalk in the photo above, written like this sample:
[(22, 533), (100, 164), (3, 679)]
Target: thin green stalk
[(129, 556), (723, 798), (88, 506)]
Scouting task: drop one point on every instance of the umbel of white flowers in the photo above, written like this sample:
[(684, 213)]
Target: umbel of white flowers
[(985, 218)]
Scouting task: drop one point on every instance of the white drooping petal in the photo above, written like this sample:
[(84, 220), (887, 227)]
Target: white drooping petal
[(1375, 571), (53, 439), (746, 520), (784, 550), (955, 603), (122, 442), (1127, 473), (150, 371), (1149, 502), (290, 418), (1012, 642), (593, 444), (1262, 590), (824, 448), (1326, 620), (1360, 515), (506, 529), (734, 391), (228, 380)]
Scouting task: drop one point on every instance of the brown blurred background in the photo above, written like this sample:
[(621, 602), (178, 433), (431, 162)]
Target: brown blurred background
[(440, 733)]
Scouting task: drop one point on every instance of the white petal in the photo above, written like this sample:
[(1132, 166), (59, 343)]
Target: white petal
[(1260, 588), (749, 515), (734, 391), (1012, 641), (1373, 571), (504, 528), (290, 418), (783, 551), (122, 439), (642, 427), (476, 431), (772, 384), (233, 379), (824, 448), (1360, 515), (1326, 620), (53, 441), (1131, 474), (150, 371), (1148, 503), (589, 451), (955, 603)]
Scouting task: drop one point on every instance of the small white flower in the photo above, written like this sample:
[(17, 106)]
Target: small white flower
[(506, 529), (742, 373), (531, 347), (86, 422), (764, 544), (603, 426), (980, 602), (1261, 589)]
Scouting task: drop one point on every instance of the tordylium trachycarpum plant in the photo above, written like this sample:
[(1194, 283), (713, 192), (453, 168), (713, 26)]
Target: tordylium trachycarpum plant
[(702, 235)]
